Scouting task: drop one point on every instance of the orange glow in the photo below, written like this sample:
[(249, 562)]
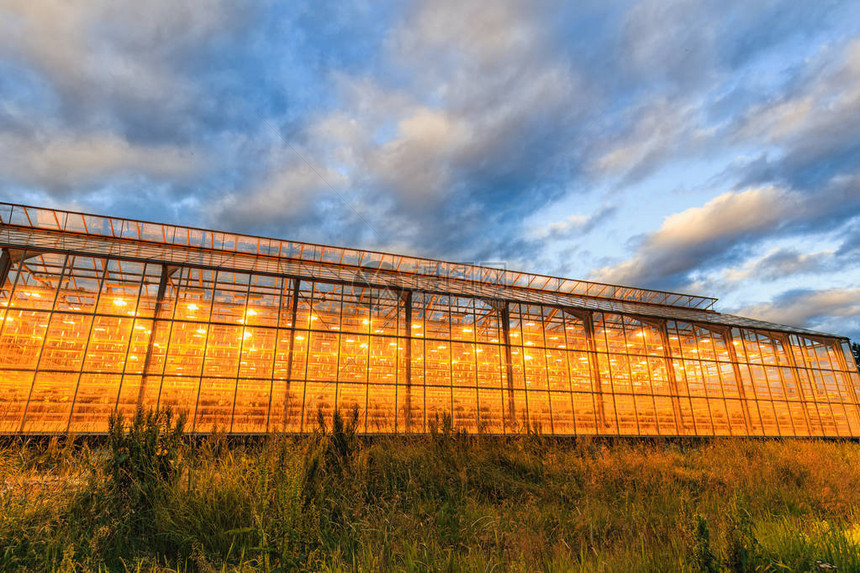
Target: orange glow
[(253, 352)]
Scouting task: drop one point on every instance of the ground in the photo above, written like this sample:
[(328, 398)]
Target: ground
[(147, 498)]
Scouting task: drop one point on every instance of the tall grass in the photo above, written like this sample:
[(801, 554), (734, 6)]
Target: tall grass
[(149, 499)]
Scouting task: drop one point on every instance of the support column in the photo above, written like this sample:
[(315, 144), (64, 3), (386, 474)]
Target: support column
[(660, 325), (786, 347), (166, 272), (9, 257), (505, 316), (588, 323), (5, 266), (406, 297), (733, 356), (294, 311)]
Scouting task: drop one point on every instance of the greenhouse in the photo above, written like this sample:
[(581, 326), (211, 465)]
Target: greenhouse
[(253, 335)]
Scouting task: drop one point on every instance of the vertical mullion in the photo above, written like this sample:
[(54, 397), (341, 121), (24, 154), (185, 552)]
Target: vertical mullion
[(408, 326), (367, 383), (294, 304), (670, 374), (131, 336), (66, 263), (473, 303), (339, 341), (87, 343), (509, 365), (6, 314), (281, 283), (159, 298), (564, 319), (241, 350), (764, 373), (783, 339), (205, 343), (307, 347), (633, 394), (546, 369), (733, 357)]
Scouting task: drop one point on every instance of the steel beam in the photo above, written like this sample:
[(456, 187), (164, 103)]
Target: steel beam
[(166, 273), (294, 311), (406, 297), (588, 324)]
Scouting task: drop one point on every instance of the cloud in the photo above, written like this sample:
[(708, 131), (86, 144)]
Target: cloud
[(696, 237), (441, 153), (446, 127), (62, 162), (832, 310), (289, 195), (782, 262), (117, 67), (573, 225)]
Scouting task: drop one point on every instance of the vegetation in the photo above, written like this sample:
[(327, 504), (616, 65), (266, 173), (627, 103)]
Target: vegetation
[(149, 499)]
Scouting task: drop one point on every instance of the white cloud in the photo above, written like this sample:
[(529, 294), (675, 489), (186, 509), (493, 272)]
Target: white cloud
[(691, 238), (62, 161), (810, 309), (778, 263)]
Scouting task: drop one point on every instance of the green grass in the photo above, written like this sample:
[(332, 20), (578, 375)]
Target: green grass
[(149, 499)]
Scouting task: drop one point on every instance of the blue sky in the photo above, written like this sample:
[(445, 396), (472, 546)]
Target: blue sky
[(702, 147)]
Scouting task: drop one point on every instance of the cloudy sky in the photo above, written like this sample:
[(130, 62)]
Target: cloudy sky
[(702, 147)]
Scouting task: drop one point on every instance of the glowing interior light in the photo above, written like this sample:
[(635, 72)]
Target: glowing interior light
[(416, 325), (34, 294), (201, 331), (9, 319), (139, 327), (119, 302), (312, 317), (494, 340), (467, 330), (252, 312), (192, 307), (300, 337), (530, 324), (365, 321), (348, 339), (363, 345), (528, 357), (246, 335)]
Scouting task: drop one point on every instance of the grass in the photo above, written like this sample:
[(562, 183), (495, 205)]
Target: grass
[(148, 498)]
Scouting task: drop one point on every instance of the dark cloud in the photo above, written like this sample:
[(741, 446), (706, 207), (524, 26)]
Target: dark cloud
[(829, 310)]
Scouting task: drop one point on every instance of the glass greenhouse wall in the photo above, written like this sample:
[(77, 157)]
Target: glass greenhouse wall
[(252, 335)]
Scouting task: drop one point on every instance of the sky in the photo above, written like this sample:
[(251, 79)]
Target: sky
[(708, 148)]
